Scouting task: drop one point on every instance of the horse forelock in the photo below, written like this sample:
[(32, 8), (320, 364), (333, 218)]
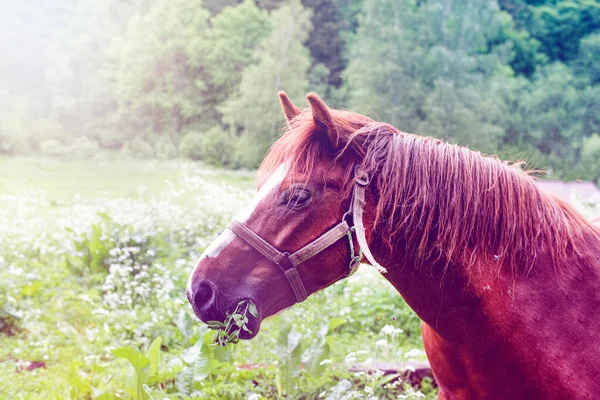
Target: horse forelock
[(303, 147), (443, 200)]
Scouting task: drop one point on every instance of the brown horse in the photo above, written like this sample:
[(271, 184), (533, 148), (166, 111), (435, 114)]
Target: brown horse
[(505, 277)]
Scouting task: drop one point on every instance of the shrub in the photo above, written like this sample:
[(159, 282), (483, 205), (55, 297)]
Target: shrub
[(214, 147), (217, 147), (164, 148), (138, 147), (248, 152), (81, 147), (190, 146)]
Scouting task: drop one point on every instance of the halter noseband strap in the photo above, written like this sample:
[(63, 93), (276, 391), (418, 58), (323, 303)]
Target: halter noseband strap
[(288, 263)]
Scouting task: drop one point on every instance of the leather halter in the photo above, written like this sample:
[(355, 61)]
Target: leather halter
[(288, 263)]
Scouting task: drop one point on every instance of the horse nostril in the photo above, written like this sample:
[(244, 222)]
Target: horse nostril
[(204, 295)]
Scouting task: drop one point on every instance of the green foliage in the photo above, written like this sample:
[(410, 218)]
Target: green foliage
[(560, 26), (326, 43), (546, 117), (214, 147), (235, 323), (283, 63), (144, 368), (80, 148), (248, 152), (230, 46), (201, 360), (588, 61), (437, 75), (590, 155), (165, 148), (138, 147), (391, 88), (157, 83), (140, 76), (20, 132), (526, 55), (93, 246), (142, 249), (217, 147), (192, 146), (13, 125), (290, 350)]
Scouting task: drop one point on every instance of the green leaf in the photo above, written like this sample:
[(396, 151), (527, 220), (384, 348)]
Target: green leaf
[(141, 369), (80, 387), (312, 357), (199, 358), (215, 325), (184, 381), (153, 355), (336, 323), (104, 216), (386, 379), (134, 356), (97, 247), (189, 355), (209, 337), (202, 368), (31, 290), (293, 340), (252, 310), (185, 324)]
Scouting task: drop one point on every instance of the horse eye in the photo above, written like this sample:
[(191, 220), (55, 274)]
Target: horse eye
[(296, 198)]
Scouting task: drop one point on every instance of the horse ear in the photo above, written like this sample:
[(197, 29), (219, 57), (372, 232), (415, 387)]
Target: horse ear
[(323, 118), (289, 109)]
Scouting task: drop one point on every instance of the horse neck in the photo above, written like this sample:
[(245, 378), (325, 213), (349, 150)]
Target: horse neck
[(447, 293), (431, 289), (455, 297)]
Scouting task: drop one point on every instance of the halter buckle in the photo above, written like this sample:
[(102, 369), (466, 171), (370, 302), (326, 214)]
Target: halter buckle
[(361, 177)]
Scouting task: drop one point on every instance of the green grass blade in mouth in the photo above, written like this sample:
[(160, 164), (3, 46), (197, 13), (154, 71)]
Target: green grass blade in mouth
[(228, 331)]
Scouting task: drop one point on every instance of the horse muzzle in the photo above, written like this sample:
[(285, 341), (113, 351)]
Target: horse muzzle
[(210, 304)]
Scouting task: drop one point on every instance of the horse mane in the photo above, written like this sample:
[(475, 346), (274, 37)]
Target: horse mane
[(445, 200)]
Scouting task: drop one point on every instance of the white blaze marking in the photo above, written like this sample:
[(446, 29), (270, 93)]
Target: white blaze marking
[(227, 236), (218, 244)]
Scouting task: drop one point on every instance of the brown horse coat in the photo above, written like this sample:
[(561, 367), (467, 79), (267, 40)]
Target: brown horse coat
[(505, 277)]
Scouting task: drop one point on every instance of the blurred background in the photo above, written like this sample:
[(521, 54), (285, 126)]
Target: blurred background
[(198, 79), (129, 133)]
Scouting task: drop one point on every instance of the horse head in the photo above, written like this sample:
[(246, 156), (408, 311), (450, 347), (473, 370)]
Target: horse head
[(296, 236)]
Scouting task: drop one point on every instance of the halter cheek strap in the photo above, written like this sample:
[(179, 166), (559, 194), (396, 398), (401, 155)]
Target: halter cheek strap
[(288, 263), (361, 180)]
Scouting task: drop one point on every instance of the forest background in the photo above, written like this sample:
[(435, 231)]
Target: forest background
[(198, 79)]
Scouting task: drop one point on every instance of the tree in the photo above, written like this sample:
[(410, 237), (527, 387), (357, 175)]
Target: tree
[(230, 47), (427, 68), (463, 72), (588, 61), (283, 63), (590, 156), (560, 26), (83, 100), (383, 72), (526, 56), (325, 42), (158, 86), (554, 117)]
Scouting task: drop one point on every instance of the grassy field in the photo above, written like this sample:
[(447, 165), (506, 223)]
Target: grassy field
[(107, 179), (95, 256)]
